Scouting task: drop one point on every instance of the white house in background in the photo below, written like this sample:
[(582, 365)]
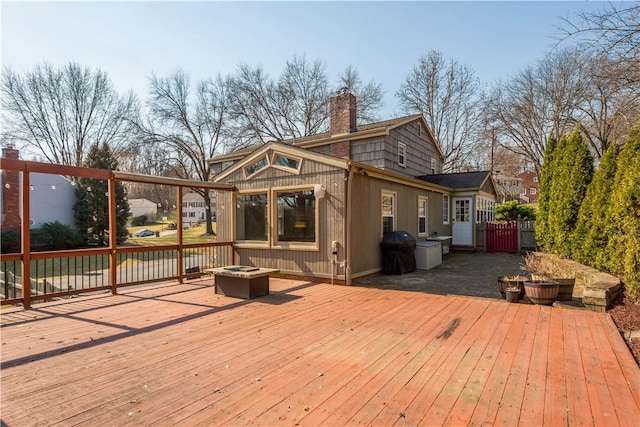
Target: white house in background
[(51, 199), (139, 207), (194, 209)]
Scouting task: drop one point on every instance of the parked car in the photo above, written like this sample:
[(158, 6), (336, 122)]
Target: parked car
[(144, 233), (171, 226)]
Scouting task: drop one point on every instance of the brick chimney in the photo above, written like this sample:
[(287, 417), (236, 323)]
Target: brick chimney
[(342, 113), (10, 193), (342, 116)]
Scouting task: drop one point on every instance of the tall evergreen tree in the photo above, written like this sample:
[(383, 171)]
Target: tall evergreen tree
[(91, 210), (589, 239), (623, 216), (569, 186), (546, 177)]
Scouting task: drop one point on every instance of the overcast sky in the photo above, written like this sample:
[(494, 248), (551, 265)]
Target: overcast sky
[(383, 40)]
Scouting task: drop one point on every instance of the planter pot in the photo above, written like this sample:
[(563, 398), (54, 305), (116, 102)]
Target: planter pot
[(505, 282), (512, 295), (543, 292), (566, 286)]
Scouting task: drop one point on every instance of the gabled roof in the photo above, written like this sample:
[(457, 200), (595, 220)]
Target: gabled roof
[(279, 147), (364, 131), (459, 181)]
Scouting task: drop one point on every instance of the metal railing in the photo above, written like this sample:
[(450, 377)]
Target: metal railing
[(60, 274)]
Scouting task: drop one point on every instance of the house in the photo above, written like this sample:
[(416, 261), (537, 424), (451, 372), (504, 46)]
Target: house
[(507, 187), (319, 205), (194, 209), (139, 207), (530, 187), (51, 197), (472, 192)]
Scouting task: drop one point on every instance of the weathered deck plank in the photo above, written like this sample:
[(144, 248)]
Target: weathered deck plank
[(311, 354)]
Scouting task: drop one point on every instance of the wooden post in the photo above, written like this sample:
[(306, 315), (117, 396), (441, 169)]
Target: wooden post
[(25, 238), (113, 238), (179, 236)]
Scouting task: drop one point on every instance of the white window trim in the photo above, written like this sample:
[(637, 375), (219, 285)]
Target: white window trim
[(422, 199), (402, 147), (446, 201), (393, 209)]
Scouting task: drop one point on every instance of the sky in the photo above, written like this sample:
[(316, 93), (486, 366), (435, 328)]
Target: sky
[(130, 40)]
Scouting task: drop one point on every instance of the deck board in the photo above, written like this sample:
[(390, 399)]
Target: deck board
[(311, 354)]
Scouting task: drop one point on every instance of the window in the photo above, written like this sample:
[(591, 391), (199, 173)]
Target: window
[(445, 209), (433, 166), (402, 149), (296, 216), (251, 217), (532, 190), (256, 166), (419, 129), (422, 216), (388, 212), (535, 179), (484, 209), (226, 165), (286, 162)]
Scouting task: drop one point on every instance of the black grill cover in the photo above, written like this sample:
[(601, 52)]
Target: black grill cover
[(398, 255)]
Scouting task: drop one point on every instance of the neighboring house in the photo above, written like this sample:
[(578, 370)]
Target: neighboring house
[(507, 187), (194, 209), (530, 187), (139, 207), (319, 205), (51, 197)]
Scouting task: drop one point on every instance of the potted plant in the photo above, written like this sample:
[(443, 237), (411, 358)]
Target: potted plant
[(512, 293), (543, 292), (543, 268), (505, 282)]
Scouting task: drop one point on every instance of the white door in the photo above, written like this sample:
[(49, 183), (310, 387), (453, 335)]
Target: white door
[(462, 225)]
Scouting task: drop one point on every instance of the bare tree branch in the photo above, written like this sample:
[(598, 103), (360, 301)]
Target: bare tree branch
[(60, 113)]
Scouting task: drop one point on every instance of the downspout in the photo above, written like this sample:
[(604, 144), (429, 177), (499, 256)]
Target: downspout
[(347, 228)]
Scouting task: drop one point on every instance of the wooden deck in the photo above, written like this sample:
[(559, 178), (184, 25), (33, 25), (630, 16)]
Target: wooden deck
[(312, 354)]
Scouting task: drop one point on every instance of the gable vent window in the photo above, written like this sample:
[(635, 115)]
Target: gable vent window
[(402, 151), (286, 162), (256, 166)]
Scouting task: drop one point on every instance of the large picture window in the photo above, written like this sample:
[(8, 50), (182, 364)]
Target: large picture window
[(388, 212), (296, 216), (251, 217)]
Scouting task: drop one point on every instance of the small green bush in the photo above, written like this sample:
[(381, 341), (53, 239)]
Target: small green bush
[(10, 241), (138, 221), (52, 236), (61, 236), (512, 211)]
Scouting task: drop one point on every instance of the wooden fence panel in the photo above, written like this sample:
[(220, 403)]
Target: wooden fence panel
[(502, 237), (527, 235)]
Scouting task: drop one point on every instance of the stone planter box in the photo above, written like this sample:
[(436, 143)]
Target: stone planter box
[(596, 289)]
